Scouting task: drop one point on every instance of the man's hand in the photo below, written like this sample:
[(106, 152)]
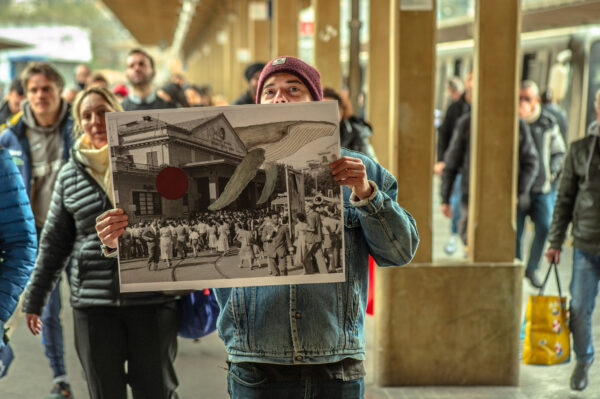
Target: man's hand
[(553, 255), (110, 225), (33, 323), (446, 210), (439, 167), (351, 172)]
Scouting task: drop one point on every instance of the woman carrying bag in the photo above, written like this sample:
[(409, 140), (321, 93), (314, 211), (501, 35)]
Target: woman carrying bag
[(111, 328)]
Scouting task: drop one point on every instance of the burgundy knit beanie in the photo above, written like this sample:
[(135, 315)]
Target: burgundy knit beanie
[(295, 66)]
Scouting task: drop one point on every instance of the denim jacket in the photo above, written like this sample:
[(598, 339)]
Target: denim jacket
[(322, 323)]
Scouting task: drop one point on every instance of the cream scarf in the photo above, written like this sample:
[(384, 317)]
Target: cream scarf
[(96, 162)]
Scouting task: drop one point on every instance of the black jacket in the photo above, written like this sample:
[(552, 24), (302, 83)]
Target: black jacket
[(578, 197), (244, 99), (458, 160), (69, 232), (455, 110), (355, 134), (157, 103)]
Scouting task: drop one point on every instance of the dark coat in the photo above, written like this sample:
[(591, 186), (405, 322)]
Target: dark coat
[(157, 103), (69, 232), (244, 99), (281, 242), (455, 110), (578, 197), (458, 160)]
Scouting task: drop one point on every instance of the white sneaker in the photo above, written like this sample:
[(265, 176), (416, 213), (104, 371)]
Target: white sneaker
[(451, 245)]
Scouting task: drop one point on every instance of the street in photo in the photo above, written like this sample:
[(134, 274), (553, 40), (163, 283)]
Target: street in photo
[(228, 196)]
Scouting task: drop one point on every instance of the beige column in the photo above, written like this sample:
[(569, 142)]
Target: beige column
[(259, 35), (413, 114), (240, 52), (284, 27), (226, 63), (381, 30), (494, 132), (327, 42), (454, 324)]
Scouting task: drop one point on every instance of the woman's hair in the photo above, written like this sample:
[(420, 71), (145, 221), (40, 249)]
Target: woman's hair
[(101, 91)]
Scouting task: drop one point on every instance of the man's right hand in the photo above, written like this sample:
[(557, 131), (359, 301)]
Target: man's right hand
[(110, 225), (553, 255), (438, 168), (445, 208)]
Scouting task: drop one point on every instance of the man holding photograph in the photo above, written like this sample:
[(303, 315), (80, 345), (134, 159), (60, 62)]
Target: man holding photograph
[(308, 340)]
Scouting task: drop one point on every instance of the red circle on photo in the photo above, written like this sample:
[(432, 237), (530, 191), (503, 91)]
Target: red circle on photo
[(171, 183)]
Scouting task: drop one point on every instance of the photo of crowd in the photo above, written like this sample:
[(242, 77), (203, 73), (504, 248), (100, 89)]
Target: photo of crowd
[(233, 225)]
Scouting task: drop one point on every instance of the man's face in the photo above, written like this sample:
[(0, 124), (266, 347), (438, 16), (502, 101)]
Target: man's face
[(14, 101), (469, 87), (528, 100), (254, 84), (43, 95), (139, 71), (82, 73), (284, 88), (192, 96)]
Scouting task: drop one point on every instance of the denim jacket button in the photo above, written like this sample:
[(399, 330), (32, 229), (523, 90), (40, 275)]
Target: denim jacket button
[(299, 358), (298, 315)]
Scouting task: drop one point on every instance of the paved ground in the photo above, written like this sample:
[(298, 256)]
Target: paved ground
[(201, 365)]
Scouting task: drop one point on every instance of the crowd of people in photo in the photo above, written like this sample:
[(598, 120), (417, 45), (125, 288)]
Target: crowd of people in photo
[(259, 238)]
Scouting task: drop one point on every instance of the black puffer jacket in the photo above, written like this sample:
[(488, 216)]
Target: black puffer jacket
[(69, 232)]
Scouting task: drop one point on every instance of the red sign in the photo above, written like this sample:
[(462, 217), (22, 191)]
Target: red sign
[(307, 28)]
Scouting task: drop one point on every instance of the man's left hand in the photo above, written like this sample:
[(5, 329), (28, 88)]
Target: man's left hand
[(351, 172)]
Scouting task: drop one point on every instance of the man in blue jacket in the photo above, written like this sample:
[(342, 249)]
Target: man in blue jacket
[(308, 340), (18, 245), (40, 143), (297, 341)]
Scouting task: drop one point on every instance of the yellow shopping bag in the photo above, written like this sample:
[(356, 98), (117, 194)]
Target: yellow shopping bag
[(547, 335)]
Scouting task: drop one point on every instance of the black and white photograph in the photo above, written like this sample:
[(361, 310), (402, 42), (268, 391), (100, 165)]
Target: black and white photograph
[(228, 196)]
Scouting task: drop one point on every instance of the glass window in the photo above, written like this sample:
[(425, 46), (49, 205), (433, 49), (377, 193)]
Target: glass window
[(147, 203)]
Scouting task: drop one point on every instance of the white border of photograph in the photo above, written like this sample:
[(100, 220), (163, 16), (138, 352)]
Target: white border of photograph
[(238, 117)]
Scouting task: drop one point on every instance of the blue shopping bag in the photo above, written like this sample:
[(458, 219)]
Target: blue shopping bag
[(198, 314)]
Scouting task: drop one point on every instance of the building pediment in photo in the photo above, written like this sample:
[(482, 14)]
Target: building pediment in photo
[(214, 132)]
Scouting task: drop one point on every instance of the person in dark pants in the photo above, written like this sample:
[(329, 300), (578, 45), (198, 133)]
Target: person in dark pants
[(279, 248), (111, 329), (307, 340), (577, 204), (314, 240), (151, 236)]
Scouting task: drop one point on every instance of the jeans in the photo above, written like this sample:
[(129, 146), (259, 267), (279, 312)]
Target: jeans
[(52, 334), (540, 212), (584, 289), (455, 204), (252, 384)]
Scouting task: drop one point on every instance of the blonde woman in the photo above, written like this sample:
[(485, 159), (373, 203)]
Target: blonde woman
[(111, 329)]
